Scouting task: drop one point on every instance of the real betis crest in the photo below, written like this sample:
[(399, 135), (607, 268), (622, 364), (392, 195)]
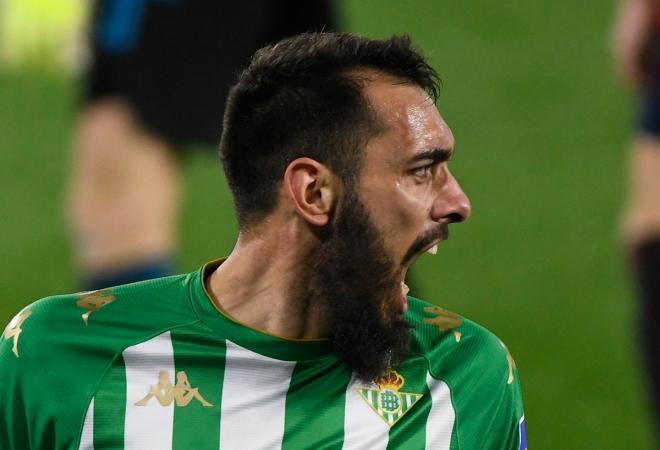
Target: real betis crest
[(388, 401)]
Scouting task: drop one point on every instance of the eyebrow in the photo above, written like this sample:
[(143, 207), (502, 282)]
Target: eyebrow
[(434, 154)]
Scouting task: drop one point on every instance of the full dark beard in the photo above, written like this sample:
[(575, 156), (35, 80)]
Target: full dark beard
[(351, 279)]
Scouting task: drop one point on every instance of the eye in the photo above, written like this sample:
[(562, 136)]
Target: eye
[(423, 173)]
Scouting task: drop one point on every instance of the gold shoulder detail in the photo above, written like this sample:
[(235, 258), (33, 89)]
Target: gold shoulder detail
[(511, 362), (93, 301), (444, 320), (14, 330)]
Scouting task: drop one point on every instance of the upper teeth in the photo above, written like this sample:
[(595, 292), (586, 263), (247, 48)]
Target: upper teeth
[(405, 288), (433, 250)]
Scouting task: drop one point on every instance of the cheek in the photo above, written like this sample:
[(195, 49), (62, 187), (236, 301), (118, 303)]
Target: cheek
[(414, 200), (399, 210), (404, 215)]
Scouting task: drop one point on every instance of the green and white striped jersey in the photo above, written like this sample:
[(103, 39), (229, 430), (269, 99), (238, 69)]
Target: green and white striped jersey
[(154, 365)]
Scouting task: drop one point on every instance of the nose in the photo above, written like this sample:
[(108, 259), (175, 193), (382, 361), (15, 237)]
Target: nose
[(451, 203)]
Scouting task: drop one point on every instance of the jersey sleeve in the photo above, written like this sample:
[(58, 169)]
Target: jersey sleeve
[(497, 400), (487, 396), (48, 369), (55, 351), (483, 380), (13, 423)]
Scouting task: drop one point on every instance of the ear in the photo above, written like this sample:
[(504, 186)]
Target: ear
[(312, 190)]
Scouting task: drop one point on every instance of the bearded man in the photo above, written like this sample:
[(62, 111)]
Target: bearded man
[(304, 337)]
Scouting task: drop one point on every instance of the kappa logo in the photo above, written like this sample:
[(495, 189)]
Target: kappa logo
[(182, 393), (93, 301), (388, 401), (14, 329), (444, 320)]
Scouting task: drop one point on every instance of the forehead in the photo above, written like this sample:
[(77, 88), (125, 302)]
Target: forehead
[(411, 120)]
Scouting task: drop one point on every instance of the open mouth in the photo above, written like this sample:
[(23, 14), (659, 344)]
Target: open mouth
[(431, 248), (428, 242)]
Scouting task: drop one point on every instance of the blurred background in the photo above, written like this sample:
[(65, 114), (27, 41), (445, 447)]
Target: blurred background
[(541, 127)]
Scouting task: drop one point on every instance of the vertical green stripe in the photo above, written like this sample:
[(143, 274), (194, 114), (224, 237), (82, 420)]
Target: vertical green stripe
[(110, 407), (315, 405), (410, 430), (202, 359)]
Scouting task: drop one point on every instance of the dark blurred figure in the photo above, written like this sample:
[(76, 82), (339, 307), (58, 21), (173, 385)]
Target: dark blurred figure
[(636, 48), (157, 82)]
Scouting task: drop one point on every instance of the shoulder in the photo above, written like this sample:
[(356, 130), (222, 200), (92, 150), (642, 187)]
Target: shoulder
[(478, 369), (472, 360), (105, 320), (448, 339), (54, 351), (129, 310)]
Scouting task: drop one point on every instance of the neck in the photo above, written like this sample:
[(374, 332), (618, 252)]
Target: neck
[(258, 283)]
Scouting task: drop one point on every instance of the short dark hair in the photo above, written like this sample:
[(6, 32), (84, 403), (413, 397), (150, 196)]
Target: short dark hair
[(300, 97)]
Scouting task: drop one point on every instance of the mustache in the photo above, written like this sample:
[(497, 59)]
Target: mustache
[(438, 232)]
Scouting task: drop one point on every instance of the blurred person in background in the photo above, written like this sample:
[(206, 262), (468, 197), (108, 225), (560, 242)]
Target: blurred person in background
[(636, 48), (157, 82)]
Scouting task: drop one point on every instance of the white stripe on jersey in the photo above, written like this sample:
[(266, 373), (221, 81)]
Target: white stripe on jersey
[(253, 400), (87, 436), (149, 426), (440, 421), (363, 428)]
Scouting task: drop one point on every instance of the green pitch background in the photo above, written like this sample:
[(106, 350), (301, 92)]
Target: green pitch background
[(541, 127)]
